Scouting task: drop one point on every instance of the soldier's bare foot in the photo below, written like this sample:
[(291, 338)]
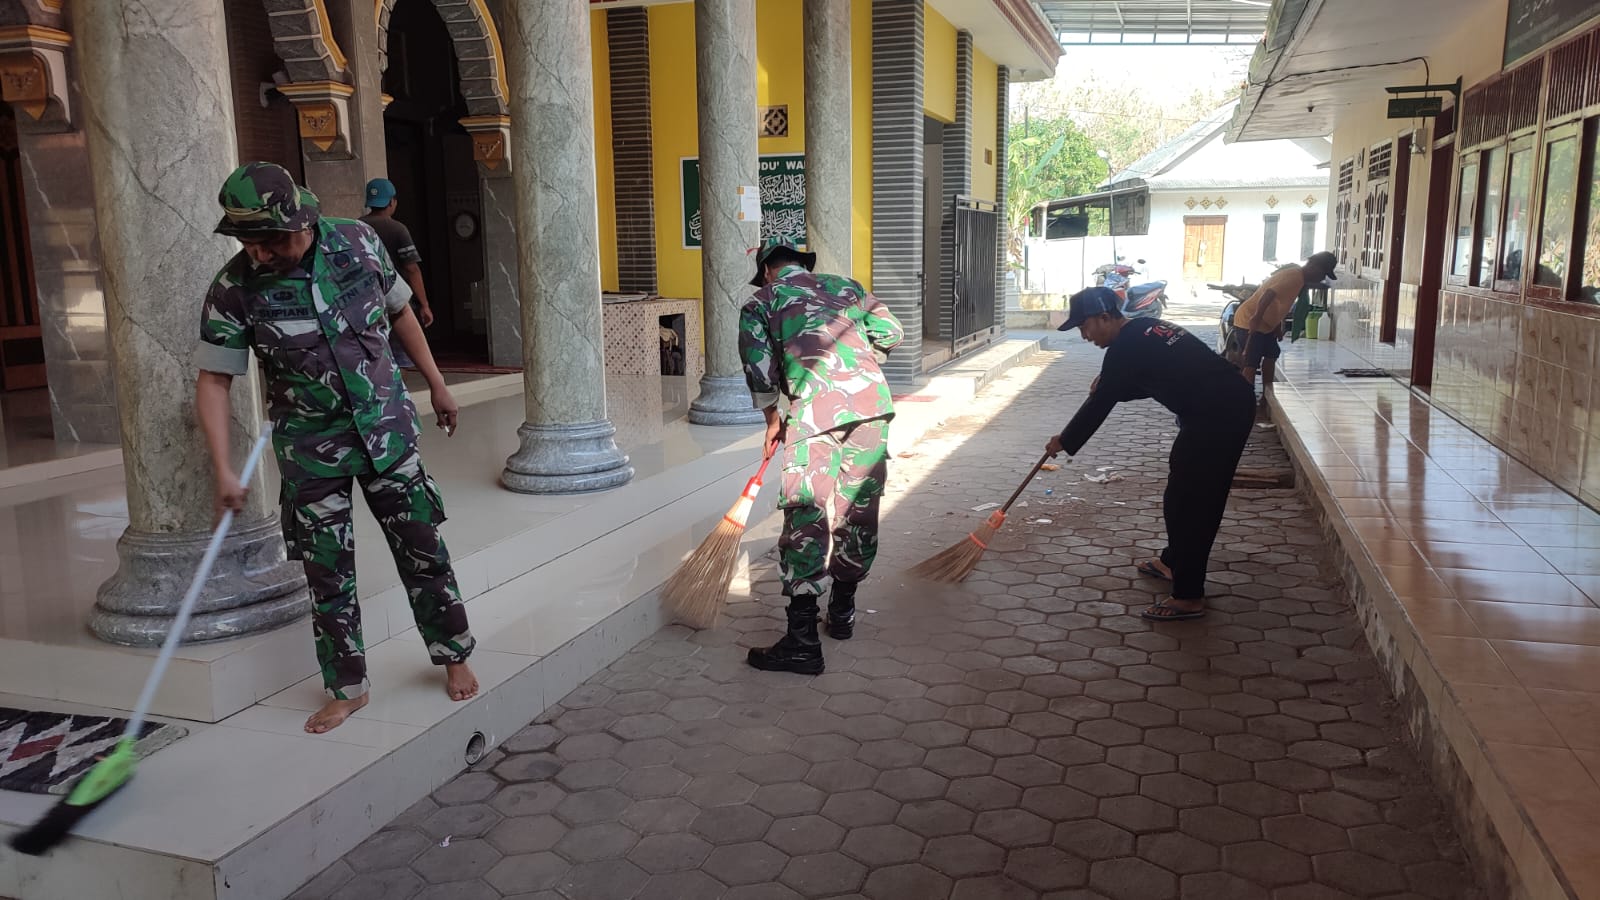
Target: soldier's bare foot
[(459, 682), (333, 714)]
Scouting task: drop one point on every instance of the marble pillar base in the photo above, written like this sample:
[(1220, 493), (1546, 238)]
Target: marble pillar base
[(254, 586), (566, 459), (724, 400)]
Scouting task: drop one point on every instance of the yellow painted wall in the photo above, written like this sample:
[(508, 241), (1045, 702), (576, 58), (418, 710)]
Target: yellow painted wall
[(985, 124), (602, 151), (780, 80), (938, 65), (672, 121), (861, 140)]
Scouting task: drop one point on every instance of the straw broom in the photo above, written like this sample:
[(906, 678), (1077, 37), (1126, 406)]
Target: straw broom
[(696, 593), (958, 561)]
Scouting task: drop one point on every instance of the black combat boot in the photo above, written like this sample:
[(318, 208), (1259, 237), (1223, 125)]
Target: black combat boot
[(799, 650), (842, 610)]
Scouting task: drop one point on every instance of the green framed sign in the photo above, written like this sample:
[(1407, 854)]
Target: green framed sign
[(783, 198)]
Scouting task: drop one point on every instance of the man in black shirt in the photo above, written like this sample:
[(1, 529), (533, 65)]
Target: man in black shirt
[(396, 237), (1152, 359)]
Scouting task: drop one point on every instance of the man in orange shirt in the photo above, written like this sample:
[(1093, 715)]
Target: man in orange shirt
[(1258, 322)]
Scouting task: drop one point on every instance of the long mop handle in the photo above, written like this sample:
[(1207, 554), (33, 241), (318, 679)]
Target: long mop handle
[(186, 608)]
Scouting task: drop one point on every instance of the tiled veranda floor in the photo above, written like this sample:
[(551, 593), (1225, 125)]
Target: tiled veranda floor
[(1024, 735), (1489, 587)]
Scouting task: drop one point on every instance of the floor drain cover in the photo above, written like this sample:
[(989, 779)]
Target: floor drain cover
[(1363, 373)]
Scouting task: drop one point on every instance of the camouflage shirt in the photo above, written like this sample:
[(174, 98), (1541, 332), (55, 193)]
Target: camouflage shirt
[(322, 338), (811, 338)]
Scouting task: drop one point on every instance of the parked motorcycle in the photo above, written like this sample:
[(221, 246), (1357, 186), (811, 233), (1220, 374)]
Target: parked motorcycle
[(1148, 300)]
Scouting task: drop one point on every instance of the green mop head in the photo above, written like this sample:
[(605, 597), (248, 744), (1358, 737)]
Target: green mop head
[(104, 779)]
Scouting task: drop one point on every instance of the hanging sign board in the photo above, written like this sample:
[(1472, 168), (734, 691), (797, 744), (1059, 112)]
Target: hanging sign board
[(1415, 107), (782, 202)]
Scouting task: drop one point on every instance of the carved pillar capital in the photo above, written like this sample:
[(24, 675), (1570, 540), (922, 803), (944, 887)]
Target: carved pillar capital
[(491, 142), (33, 76), (324, 111)]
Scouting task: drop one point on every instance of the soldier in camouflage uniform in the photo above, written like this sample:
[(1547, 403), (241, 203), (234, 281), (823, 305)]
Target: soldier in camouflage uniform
[(315, 299), (813, 340)]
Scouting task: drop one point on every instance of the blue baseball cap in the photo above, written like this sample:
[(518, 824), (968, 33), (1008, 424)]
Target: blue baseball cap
[(380, 193), (1091, 302)]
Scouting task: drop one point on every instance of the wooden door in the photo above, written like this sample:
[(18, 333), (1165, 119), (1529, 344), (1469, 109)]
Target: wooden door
[(21, 345), (1203, 238)]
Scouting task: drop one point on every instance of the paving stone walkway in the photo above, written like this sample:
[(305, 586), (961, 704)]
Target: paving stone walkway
[(1023, 735)]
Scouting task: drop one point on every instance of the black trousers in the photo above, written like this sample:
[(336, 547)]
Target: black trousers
[(1204, 457)]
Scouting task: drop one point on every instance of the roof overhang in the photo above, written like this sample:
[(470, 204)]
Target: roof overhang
[(1087, 22), (1010, 32), (1321, 57), (1013, 33)]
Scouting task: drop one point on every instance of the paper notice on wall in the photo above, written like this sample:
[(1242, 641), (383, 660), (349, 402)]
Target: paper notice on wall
[(749, 203)]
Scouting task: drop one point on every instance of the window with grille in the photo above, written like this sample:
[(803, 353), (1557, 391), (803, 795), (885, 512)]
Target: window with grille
[(1269, 238), (1373, 213)]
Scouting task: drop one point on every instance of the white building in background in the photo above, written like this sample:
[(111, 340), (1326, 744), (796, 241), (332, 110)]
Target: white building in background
[(1196, 210)]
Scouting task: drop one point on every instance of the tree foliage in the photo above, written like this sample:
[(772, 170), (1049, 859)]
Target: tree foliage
[(1056, 130)]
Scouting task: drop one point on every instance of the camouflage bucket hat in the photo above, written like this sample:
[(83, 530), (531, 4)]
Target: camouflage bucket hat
[(261, 198), (774, 244)]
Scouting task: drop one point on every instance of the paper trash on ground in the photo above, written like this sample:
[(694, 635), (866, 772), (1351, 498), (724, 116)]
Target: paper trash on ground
[(985, 507)]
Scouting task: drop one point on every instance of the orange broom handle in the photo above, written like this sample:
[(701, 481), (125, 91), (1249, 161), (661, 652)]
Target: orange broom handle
[(1025, 482)]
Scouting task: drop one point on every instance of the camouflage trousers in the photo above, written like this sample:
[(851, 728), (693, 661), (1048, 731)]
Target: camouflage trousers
[(319, 529), (832, 485)]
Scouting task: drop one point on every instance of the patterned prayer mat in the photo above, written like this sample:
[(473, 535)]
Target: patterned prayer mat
[(46, 752)]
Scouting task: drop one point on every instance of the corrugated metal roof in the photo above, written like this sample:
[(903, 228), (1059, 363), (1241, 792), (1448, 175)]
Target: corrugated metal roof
[(1157, 21)]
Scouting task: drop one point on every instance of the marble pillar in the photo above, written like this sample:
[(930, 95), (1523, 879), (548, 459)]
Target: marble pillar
[(828, 156), (725, 90), (159, 120), (568, 445), (501, 267)]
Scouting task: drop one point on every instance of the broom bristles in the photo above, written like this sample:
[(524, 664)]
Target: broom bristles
[(955, 563), (698, 590)]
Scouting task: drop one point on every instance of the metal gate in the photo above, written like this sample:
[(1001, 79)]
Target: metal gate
[(976, 255)]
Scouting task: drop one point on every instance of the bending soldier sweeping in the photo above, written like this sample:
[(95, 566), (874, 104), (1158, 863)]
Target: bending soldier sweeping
[(1152, 359), (315, 299), (811, 340)]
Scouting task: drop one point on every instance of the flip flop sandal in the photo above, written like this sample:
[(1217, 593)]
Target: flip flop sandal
[(1161, 612), (1149, 568)]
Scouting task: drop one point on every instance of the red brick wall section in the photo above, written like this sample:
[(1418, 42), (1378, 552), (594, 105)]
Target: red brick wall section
[(269, 133)]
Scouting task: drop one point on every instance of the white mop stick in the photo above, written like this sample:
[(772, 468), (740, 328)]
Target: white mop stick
[(186, 608)]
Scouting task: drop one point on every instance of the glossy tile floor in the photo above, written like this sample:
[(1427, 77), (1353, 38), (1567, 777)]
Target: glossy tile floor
[(1498, 572), (1022, 735)]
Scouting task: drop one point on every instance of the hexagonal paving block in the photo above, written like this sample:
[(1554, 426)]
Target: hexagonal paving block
[(1102, 780), (1178, 853), (838, 776), (799, 835), (606, 880), (747, 863), (1046, 869), (1266, 864), (1132, 879), (854, 809), (590, 807), (962, 856), (469, 821), (653, 781), (387, 850), (732, 824), (667, 815), (890, 754), (907, 785), (935, 818), (1339, 809), (1139, 815), (469, 788), (823, 874), (527, 873), (1093, 839), (526, 834), (1013, 828), (1218, 825), (590, 773), (1028, 771), (983, 792)]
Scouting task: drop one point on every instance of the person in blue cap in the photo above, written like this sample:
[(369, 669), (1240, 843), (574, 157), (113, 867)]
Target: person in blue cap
[(1149, 359), (396, 238)]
